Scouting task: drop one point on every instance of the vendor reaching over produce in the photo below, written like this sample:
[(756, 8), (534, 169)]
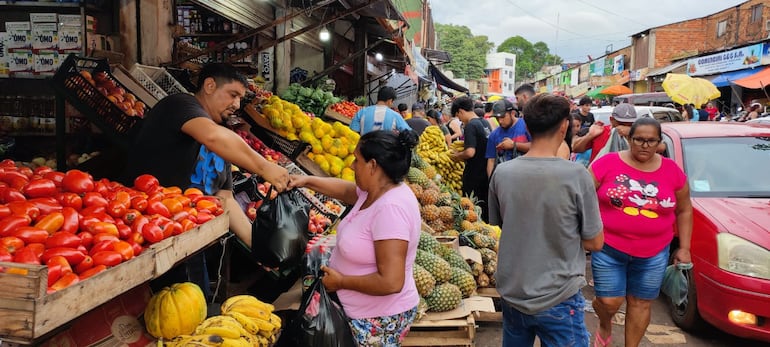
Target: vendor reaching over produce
[(379, 116), (371, 267), (183, 144)]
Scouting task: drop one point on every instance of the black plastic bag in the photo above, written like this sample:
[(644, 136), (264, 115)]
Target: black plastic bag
[(320, 321), (675, 283), (280, 232)]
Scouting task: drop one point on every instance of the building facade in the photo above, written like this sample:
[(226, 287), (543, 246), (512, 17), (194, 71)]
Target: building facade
[(501, 73)]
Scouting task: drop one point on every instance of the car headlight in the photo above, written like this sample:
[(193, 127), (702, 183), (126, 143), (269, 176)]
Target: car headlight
[(742, 257)]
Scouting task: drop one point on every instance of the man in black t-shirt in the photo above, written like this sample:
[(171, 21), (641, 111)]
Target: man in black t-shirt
[(183, 144), (476, 133), (583, 113)]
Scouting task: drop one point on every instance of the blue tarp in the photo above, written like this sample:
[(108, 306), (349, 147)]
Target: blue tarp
[(724, 79)]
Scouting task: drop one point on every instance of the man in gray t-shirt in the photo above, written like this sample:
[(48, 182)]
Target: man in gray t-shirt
[(549, 215)]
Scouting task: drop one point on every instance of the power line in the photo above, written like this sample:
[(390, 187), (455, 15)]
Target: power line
[(613, 13)]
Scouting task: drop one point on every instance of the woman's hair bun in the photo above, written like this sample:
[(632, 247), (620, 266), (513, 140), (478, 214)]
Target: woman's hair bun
[(408, 139)]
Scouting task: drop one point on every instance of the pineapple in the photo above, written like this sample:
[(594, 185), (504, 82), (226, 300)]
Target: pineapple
[(482, 280), (466, 203), (437, 225), (417, 161), (451, 232), (437, 266), (429, 197), (466, 225), (430, 171), (446, 214), (416, 189), (455, 260), (429, 213), (445, 297), (471, 216), (422, 308), (417, 177), (487, 255), (428, 243), (463, 280), (444, 199), (423, 280), (476, 268)]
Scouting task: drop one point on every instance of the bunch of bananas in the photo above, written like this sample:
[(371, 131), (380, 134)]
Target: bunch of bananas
[(245, 321), (433, 149)]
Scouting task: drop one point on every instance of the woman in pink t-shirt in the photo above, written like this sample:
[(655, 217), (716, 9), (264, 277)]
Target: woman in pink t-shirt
[(643, 199), (371, 266)]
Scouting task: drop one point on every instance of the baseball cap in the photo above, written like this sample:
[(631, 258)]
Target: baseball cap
[(501, 107), (625, 113), (417, 106)]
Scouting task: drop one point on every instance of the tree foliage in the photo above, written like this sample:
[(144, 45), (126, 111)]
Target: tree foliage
[(469, 52), (530, 58)]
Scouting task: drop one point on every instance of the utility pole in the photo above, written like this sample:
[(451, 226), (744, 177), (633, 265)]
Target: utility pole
[(556, 44)]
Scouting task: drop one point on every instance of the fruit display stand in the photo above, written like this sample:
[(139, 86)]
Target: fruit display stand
[(334, 115), (29, 314), (445, 332)]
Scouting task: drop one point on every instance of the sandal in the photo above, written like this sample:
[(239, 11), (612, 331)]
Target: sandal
[(600, 342)]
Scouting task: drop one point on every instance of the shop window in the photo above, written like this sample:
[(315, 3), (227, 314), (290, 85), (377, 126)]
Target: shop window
[(721, 28), (756, 13), (508, 62)]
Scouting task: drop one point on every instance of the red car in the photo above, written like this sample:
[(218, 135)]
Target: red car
[(727, 167)]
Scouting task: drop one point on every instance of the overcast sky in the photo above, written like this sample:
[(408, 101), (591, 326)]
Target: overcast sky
[(583, 27)]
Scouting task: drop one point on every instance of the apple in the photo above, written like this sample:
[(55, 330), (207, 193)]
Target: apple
[(101, 76)]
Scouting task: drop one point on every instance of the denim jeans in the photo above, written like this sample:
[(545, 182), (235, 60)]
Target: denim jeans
[(558, 326)]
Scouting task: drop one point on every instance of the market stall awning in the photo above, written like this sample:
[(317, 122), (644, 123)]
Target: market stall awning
[(724, 79), (666, 69), (249, 13), (437, 56), (378, 9), (595, 92), (441, 79), (758, 80)]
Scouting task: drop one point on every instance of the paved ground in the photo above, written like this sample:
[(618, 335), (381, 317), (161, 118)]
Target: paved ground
[(662, 331)]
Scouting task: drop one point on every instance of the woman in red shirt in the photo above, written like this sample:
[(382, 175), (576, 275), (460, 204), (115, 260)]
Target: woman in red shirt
[(643, 197)]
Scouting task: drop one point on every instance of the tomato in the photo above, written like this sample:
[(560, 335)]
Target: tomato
[(94, 199), (193, 192), (184, 200), (204, 217), (101, 246), (157, 207), (14, 178), (179, 216), (5, 211), (39, 188), (22, 208), (46, 205), (37, 248), (104, 217), (84, 265), (123, 198), (135, 237), (156, 196), (102, 186), (116, 209), (123, 230), (51, 223), (42, 170), (11, 244), (63, 239), (206, 205), (139, 203), (107, 258), (30, 234), (138, 249), (61, 261), (7, 163), (77, 181), (55, 176), (138, 223), (5, 256), (131, 215), (9, 194), (70, 200), (26, 256), (173, 191), (103, 227), (11, 223), (92, 271), (124, 248), (146, 183), (86, 220), (64, 282), (105, 237), (58, 266), (173, 205), (152, 233), (93, 210), (187, 224), (86, 239), (73, 256), (70, 220)]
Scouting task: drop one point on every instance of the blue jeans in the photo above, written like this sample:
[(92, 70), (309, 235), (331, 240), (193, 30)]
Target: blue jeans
[(558, 326), (617, 274)]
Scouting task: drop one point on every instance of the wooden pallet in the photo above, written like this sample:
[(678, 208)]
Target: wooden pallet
[(488, 316), (27, 313), (449, 332)]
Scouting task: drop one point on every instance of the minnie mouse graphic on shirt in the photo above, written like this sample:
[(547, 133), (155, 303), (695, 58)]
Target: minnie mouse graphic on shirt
[(637, 197)]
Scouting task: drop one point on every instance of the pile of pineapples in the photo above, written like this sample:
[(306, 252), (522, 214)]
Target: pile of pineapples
[(449, 214), (441, 275), (433, 149)]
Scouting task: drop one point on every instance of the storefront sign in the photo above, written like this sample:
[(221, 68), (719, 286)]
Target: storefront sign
[(574, 78), (618, 64), (420, 63), (620, 78), (266, 65), (578, 90), (608, 65), (585, 72), (766, 54), (736, 59), (639, 75), (597, 67)]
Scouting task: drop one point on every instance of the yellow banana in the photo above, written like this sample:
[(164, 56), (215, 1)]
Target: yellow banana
[(247, 323), (275, 320), (251, 311), (225, 332), (221, 324), (195, 340), (263, 325), (245, 299), (236, 342)]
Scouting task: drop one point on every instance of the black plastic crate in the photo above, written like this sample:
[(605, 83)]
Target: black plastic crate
[(69, 82), (291, 149)]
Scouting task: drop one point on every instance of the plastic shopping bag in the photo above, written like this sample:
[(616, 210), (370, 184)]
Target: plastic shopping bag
[(280, 231), (321, 322), (675, 282)]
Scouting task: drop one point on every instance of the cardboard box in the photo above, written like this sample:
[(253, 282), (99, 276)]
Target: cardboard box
[(3, 55), (46, 62), (17, 26), (19, 39), (45, 38), (21, 61), (115, 323), (70, 38), (43, 17), (72, 20)]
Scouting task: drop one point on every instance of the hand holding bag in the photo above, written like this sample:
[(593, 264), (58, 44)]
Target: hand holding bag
[(675, 282), (321, 322), (280, 231)]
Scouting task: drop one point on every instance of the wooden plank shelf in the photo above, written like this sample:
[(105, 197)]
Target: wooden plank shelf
[(448, 332), (27, 313), (481, 316)]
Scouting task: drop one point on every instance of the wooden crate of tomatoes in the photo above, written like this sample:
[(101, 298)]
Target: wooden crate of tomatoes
[(69, 243), (343, 111)]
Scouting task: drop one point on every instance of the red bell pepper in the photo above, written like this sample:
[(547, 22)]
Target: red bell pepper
[(22, 208), (70, 200), (146, 183), (63, 239), (64, 282), (11, 244), (39, 188), (84, 265), (46, 205), (55, 176), (51, 223), (71, 220), (11, 223), (30, 234), (92, 271), (73, 256), (107, 258)]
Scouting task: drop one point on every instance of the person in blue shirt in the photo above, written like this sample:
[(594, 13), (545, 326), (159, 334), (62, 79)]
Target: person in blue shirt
[(379, 116), (510, 139)]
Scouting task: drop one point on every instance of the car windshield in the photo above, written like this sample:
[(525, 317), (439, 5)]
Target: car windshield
[(727, 166)]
